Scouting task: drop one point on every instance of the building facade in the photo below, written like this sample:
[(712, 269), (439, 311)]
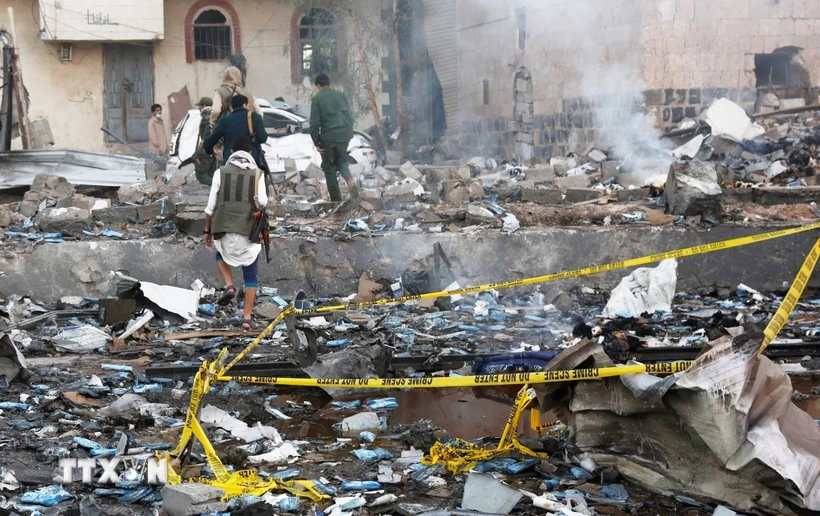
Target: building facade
[(89, 64), (542, 78)]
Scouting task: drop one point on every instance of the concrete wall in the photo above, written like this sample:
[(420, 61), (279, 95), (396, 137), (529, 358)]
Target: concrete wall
[(70, 94), (668, 59), (84, 20), (328, 267)]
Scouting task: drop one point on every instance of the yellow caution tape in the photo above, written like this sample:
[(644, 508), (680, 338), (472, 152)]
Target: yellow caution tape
[(237, 483), (781, 316), (459, 456), (484, 380), (634, 262)]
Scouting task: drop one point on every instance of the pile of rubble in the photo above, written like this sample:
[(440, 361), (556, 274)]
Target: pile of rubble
[(111, 378)]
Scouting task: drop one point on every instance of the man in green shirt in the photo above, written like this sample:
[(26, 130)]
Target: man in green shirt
[(331, 127)]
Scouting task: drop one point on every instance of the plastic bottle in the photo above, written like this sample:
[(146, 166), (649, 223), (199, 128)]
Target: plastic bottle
[(360, 485), (10, 405), (289, 504)]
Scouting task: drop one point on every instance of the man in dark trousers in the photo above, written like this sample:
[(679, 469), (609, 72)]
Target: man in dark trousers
[(236, 125), (331, 127)]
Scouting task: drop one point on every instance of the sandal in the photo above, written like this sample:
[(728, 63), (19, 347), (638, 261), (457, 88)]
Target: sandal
[(249, 324), (228, 296)]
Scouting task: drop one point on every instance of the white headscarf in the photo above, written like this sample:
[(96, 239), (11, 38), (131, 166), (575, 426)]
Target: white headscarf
[(242, 160)]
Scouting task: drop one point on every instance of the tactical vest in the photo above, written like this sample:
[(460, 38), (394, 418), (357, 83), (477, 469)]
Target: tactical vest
[(235, 204)]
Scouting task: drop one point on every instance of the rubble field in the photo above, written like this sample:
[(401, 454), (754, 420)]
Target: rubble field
[(106, 371)]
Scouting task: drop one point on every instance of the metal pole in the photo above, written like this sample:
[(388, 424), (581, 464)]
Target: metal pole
[(5, 93)]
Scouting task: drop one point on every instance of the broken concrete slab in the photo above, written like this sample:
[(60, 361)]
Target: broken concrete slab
[(192, 498), (597, 155), (64, 220), (410, 171), (312, 172), (49, 186), (83, 201), (580, 181), (773, 195), (476, 215), (191, 223), (692, 189), (610, 169), (574, 195), (562, 165), (542, 195), (543, 174), (115, 214), (633, 193)]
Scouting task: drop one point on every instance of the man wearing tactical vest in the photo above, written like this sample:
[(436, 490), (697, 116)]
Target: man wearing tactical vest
[(331, 127), (231, 85), (237, 191)]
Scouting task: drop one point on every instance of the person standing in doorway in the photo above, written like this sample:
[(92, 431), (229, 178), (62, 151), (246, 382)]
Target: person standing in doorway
[(331, 127), (237, 191), (157, 137)]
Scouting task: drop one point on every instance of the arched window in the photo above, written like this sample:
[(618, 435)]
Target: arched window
[(212, 36), (211, 31), (317, 49)]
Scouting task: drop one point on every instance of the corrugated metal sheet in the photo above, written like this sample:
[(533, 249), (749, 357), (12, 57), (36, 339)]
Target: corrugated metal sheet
[(18, 168), (442, 45)]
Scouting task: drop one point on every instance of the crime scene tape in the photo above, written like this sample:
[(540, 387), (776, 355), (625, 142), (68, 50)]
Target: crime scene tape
[(459, 456), (781, 316), (633, 262), (485, 380)]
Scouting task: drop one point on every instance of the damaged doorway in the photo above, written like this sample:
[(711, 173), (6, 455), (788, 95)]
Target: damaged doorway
[(129, 90), (523, 115)]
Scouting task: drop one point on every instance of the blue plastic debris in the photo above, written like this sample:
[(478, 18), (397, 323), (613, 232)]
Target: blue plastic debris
[(289, 504), (135, 496), (467, 327), (580, 473), (286, 474), (150, 387), (48, 496), (117, 367), (346, 405), (360, 485), (367, 437), (372, 455), (326, 489), (337, 343), (615, 492), (383, 404), (10, 405)]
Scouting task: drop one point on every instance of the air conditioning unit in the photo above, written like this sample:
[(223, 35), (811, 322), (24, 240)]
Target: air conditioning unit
[(66, 51)]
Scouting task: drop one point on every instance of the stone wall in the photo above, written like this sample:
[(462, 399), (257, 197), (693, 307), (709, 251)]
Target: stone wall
[(575, 127)]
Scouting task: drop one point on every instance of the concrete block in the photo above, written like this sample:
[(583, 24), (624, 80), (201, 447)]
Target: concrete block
[(692, 189), (562, 165), (150, 211), (541, 195), (191, 223), (580, 181), (635, 193), (64, 220), (28, 208), (476, 215), (393, 158), (582, 194), (410, 171), (312, 172), (191, 498), (49, 186), (541, 174), (115, 214), (83, 201)]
